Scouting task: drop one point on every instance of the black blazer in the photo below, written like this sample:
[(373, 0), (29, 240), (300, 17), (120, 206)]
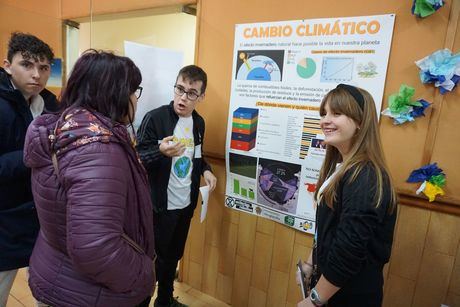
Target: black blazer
[(156, 125), (354, 239)]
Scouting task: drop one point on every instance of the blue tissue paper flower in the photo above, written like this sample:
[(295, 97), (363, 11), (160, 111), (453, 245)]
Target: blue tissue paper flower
[(441, 68), (418, 111), (424, 173)]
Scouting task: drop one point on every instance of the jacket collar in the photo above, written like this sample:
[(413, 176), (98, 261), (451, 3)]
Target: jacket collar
[(8, 92), (195, 116), (78, 126), (176, 117)]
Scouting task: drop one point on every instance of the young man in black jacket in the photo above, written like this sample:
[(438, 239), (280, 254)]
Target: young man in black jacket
[(22, 98), (170, 141)]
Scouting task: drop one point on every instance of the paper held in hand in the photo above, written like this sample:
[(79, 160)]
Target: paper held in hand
[(204, 190), (303, 280)]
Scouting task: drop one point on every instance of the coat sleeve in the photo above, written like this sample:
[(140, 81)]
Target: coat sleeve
[(96, 188), (148, 145), (358, 220), (11, 160), (12, 166)]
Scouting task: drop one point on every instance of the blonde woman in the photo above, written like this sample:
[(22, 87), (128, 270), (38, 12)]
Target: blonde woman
[(356, 211)]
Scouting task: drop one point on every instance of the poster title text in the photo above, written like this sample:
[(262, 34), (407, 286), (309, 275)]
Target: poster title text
[(315, 29)]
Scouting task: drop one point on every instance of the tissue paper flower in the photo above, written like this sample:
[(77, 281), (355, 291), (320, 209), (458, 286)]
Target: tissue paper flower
[(431, 191), (424, 8), (441, 68), (402, 108), (439, 180), (418, 111), (432, 178)]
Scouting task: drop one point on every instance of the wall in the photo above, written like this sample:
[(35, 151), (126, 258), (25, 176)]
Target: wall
[(175, 31), (73, 9), (40, 18), (248, 261)]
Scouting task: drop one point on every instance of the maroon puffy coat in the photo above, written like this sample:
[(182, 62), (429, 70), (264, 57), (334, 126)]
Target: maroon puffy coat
[(88, 213)]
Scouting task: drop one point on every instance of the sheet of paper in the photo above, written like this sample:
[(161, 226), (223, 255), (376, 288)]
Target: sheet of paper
[(204, 190), (159, 68), (303, 283)]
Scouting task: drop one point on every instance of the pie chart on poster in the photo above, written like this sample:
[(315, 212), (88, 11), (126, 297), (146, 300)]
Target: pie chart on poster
[(306, 68)]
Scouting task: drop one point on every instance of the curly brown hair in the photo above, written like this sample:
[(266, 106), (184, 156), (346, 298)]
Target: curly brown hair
[(29, 46)]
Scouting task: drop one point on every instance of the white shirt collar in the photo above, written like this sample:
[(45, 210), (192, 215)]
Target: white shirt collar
[(36, 104), (327, 181)]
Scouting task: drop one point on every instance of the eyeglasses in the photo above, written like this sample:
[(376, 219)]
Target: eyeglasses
[(179, 91), (138, 92)]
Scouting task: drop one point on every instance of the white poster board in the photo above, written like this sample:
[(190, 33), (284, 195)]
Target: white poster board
[(159, 68), (281, 71)]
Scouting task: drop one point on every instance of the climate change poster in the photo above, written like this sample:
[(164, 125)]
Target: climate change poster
[(281, 71)]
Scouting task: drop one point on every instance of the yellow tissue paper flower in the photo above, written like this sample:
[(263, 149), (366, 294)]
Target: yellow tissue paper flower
[(432, 190)]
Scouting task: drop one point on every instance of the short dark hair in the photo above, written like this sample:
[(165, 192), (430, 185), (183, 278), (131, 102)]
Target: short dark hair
[(103, 82), (194, 73), (29, 46)]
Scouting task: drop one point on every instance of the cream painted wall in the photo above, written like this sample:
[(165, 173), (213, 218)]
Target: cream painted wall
[(172, 31)]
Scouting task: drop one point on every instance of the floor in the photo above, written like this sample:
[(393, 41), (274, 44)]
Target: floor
[(20, 295)]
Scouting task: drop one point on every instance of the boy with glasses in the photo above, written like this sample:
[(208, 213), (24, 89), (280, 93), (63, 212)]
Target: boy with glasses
[(22, 98), (170, 141)]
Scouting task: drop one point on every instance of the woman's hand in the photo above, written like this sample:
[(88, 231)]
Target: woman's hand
[(305, 303)]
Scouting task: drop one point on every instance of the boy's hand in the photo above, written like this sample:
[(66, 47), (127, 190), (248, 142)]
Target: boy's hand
[(210, 179), (171, 149)]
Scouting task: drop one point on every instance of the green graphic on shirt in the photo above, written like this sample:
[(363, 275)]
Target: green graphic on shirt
[(182, 167)]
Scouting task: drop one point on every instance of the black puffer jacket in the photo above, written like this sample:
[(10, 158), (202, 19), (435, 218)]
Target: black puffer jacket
[(19, 224)]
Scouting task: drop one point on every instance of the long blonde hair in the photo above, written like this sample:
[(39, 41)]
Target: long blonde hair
[(366, 147)]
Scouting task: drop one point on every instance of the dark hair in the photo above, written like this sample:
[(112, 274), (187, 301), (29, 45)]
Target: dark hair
[(103, 82), (29, 46), (194, 73)]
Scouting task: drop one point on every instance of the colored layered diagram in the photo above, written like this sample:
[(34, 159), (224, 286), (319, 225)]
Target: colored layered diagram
[(244, 128)]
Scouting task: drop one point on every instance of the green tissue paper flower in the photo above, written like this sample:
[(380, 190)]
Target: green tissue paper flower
[(439, 180), (423, 8), (401, 102)]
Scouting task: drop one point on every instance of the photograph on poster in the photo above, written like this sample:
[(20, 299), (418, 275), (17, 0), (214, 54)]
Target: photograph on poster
[(318, 143), (243, 165), (55, 79), (278, 184)]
